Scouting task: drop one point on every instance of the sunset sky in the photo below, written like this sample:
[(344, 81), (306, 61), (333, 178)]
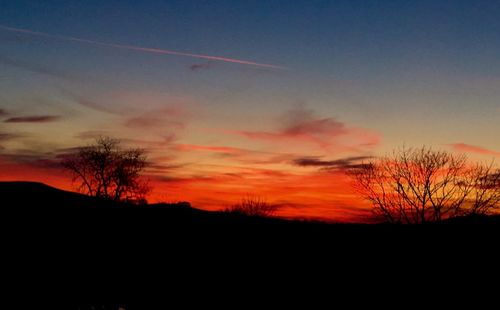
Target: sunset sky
[(236, 98)]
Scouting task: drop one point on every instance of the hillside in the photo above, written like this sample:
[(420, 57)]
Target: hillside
[(37, 205), (76, 245)]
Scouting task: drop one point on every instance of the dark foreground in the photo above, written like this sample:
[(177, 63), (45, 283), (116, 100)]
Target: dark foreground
[(71, 246)]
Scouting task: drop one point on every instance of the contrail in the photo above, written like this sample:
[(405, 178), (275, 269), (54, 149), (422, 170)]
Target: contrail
[(139, 48)]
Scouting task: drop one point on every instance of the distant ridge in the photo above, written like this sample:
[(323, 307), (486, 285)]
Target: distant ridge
[(36, 195), (86, 244), (35, 198)]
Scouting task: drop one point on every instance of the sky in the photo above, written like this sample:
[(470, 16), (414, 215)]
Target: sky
[(236, 98)]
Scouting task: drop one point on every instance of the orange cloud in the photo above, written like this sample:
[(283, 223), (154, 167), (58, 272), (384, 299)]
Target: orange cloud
[(462, 147), (216, 149)]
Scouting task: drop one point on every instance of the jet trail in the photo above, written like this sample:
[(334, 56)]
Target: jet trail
[(139, 48)]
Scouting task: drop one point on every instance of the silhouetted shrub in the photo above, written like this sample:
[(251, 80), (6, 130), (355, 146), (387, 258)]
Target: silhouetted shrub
[(253, 206)]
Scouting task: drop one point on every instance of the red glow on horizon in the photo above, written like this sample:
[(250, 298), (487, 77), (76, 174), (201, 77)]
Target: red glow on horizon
[(311, 196)]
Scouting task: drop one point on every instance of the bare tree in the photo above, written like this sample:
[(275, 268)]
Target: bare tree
[(482, 183), (416, 186), (106, 170), (253, 206)]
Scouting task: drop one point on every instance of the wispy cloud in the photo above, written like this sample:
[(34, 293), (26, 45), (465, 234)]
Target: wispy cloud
[(172, 117), (31, 158), (89, 103), (33, 119), (92, 134), (215, 149), (164, 140), (138, 48), (462, 147), (303, 125), (237, 155), (341, 164), (5, 136), (200, 66), (36, 68), (139, 107)]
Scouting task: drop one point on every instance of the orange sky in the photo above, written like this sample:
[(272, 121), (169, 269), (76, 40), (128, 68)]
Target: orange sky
[(321, 195), (241, 98)]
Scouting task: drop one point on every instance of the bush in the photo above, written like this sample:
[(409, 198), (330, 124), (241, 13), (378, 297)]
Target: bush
[(253, 206)]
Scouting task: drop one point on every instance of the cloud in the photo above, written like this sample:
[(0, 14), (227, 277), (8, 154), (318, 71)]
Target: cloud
[(300, 124), (32, 158), (341, 164), (200, 66), (138, 106), (191, 179), (149, 121), (215, 149), (462, 147), (89, 103), (36, 68), (155, 168), (4, 136), (92, 134), (33, 119), (239, 155), (165, 140), (167, 123), (139, 48)]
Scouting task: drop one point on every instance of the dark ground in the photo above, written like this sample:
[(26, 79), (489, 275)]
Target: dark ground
[(77, 247)]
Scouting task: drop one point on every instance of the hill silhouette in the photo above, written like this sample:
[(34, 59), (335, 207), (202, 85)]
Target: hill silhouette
[(37, 203), (78, 246)]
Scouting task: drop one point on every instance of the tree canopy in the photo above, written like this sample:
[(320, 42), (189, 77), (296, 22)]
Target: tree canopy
[(106, 170)]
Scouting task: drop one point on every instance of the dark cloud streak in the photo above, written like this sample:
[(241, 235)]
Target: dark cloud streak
[(4, 136), (200, 66), (33, 119), (337, 164)]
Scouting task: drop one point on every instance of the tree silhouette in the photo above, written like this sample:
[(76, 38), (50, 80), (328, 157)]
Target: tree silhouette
[(253, 206), (416, 186), (483, 186), (106, 170)]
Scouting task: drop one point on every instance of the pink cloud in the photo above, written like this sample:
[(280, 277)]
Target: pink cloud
[(301, 125), (462, 147)]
